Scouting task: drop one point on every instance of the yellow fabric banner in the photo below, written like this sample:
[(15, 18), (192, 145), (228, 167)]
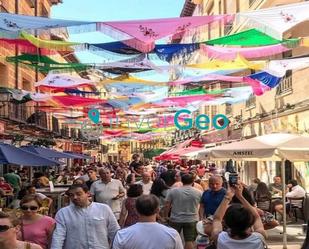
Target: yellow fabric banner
[(56, 45), (238, 63)]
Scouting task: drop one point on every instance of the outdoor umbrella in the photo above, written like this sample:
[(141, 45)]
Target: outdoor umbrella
[(194, 154), (10, 154), (49, 153), (271, 147), (78, 155)]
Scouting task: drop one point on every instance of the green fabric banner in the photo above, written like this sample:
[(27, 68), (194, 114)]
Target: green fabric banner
[(44, 63), (198, 91), (249, 38)]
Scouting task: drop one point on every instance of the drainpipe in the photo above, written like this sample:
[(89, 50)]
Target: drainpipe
[(16, 49)]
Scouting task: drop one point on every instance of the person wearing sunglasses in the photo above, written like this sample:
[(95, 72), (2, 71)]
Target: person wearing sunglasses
[(9, 227), (35, 227)]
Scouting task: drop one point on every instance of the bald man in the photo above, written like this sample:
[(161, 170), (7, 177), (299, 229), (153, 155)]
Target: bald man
[(108, 191), (212, 197), (146, 182)]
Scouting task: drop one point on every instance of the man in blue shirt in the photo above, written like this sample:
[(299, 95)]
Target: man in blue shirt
[(212, 197)]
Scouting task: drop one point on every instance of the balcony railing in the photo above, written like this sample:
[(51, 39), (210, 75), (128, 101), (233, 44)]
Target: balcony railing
[(285, 86), (23, 113)]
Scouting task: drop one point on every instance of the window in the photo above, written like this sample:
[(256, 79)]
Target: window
[(26, 85), (251, 2), (3, 75), (44, 11), (228, 109), (250, 103), (4, 6), (214, 111)]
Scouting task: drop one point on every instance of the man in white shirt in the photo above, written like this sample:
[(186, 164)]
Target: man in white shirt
[(147, 233), (296, 191), (108, 191), (84, 224), (146, 183)]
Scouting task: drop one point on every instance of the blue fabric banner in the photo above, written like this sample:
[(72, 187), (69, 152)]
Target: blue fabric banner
[(266, 78)]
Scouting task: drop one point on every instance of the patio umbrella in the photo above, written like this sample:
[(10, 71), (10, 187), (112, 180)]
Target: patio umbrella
[(272, 147), (49, 153), (78, 155), (10, 154), (201, 154)]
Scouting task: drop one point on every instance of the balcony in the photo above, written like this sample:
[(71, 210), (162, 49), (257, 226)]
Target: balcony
[(24, 114), (285, 87)]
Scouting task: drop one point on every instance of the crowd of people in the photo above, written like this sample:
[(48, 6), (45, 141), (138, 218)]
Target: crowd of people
[(142, 206)]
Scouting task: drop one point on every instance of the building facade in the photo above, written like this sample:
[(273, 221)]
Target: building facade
[(283, 109), (26, 122)]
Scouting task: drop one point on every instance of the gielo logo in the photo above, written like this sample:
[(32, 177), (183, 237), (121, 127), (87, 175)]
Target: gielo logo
[(202, 121), (92, 129)]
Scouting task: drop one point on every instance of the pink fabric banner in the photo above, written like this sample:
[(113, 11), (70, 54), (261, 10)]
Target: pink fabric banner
[(24, 47), (230, 53), (141, 34), (75, 101)]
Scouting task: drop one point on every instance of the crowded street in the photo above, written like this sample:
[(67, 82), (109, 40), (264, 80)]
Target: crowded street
[(167, 124)]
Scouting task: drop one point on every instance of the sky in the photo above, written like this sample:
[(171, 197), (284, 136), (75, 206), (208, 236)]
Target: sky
[(111, 10), (114, 10)]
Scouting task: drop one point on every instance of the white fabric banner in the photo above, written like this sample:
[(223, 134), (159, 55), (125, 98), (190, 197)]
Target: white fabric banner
[(62, 81), (277, 20)]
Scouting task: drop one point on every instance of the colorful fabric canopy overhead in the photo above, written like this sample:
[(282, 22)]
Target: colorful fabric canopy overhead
[(24, 46), (238, 63), (266, 78), (131, 80), (141, 34), (228, 53), (277, 20), (45, 64), (163, 51), (62, 81), (16, 23), (75, 101), (249, 38), (56, 45), (279, 67)]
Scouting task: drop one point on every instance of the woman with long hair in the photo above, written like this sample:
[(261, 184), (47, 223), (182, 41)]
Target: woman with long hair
[(35, 228), (128, 215), (262, 197), (159, 189)]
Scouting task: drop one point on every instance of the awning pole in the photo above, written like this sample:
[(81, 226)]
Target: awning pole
[(284, 203)]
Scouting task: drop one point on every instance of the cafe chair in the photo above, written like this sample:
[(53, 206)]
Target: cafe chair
[(44, 209), (296, 204)]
